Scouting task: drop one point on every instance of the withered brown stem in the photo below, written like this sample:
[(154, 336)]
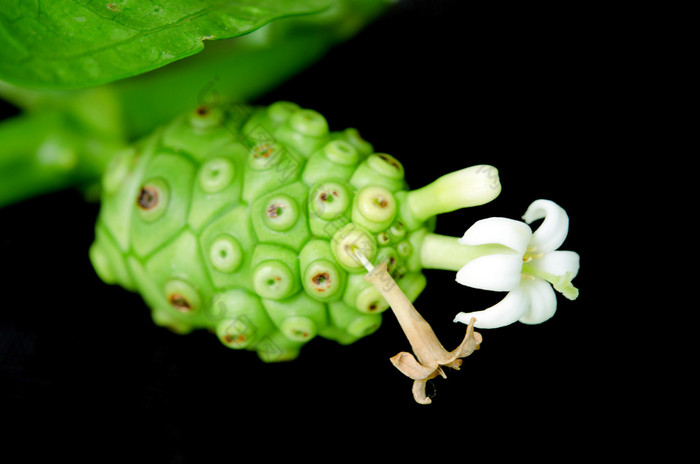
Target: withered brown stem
[(429, 356)]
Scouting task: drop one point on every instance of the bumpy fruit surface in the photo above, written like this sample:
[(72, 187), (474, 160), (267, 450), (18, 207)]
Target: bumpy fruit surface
[(244, 221)]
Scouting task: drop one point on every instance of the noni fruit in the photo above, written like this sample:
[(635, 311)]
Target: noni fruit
[(247, 221)]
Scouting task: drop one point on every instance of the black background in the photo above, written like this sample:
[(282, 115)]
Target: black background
[(441, 86)]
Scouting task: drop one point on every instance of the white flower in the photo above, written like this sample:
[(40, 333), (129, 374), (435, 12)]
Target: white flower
[(527, 272)]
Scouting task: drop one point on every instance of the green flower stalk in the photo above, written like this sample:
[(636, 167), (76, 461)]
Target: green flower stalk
[(449, 253)]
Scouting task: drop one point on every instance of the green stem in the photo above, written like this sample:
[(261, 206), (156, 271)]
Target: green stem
[(24, 99), (20, 175), (444, 252), (41, 153)]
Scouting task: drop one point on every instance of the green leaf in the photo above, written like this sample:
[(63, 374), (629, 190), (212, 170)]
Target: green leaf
[(63, 44)]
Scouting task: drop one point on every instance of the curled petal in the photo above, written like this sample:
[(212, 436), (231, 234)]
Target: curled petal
[(410, 367), (558, 263), (543, 301), (419, 392), (469, 344), (500, 273), (553, 231), (513, 234), (510, 309)]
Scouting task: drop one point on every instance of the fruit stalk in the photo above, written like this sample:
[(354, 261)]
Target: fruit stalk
[(40, 153)]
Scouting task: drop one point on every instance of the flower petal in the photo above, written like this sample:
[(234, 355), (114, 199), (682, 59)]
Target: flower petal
[(510, 309), (557, 263), (552, 232), (543, 301), (500, 273), (410, 367), (419, 392), (513, 234)]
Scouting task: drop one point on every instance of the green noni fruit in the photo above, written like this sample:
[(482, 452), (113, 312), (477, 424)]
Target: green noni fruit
[(247, 221)]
